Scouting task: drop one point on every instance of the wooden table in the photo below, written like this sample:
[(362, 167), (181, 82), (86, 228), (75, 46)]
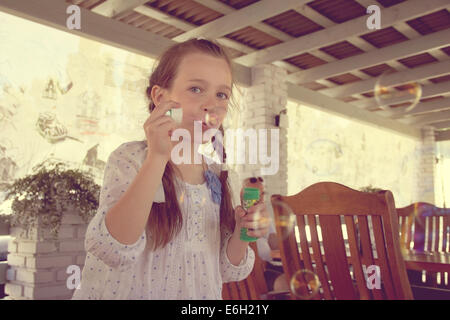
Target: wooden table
[(435, 262)]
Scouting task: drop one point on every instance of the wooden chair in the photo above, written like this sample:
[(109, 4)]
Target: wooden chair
[(340, 267), (254, 286), (426, 228)]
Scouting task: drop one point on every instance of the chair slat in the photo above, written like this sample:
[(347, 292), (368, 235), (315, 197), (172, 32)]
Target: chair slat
[(419, 234), (252, 287), (355, 259), (243, 291), (287, 242), (304, 245), (336, 258), (318, 259), (429, 234), (403, 229), (234, 291), (446, 234), (408, 231), (225, 292), (382, 258), (436, 233), (367, 250), (305, 254)]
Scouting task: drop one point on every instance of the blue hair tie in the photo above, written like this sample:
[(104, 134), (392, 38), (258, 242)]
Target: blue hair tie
[(213, 183)]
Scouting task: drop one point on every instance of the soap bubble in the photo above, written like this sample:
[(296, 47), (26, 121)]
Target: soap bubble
[(386, 93), (214, 116), (322, 157), (176, 114), (211, 119), (304, 284), (260, 219), (285, 220), (207, 149)]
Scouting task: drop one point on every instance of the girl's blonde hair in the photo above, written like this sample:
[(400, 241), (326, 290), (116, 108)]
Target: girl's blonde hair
[(165, 220)]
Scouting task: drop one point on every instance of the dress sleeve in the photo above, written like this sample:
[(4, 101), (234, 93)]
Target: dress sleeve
[(229, 271), (119, 173)]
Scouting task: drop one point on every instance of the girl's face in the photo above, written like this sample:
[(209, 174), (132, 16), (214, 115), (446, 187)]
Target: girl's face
[(202, 86)]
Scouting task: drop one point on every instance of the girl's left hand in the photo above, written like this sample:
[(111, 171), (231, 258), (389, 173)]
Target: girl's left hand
[(256, 220)]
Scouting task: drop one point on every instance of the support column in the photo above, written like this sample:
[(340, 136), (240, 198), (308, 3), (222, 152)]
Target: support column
[(427, 166), (261, 104)]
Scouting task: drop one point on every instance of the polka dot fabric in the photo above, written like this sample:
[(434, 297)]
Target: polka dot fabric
[(192, 266)]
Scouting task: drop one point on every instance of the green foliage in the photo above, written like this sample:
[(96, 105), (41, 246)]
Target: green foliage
[(43, 197), (369, 188)]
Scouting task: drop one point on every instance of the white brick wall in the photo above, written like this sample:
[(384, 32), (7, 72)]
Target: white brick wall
[(260, 104), (427, 166), (38, 262)]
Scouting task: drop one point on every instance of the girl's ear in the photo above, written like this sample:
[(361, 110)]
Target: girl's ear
[(158, 94)]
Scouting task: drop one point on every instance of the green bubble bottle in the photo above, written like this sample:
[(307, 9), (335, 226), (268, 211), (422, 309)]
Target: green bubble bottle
[(250, 197)]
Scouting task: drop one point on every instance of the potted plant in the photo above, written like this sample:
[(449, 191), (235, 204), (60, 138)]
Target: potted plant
[(44, 196)]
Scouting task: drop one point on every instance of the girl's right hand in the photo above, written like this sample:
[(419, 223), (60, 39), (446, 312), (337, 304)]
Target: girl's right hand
[(158, 128)]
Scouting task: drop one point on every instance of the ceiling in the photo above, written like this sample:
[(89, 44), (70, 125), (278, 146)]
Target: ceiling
[(333, 60)]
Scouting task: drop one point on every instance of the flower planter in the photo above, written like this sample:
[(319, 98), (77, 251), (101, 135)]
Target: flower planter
[(38, 261)]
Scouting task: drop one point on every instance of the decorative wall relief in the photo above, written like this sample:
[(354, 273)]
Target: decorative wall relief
[(50, 90), (89, 108), (51, 129)]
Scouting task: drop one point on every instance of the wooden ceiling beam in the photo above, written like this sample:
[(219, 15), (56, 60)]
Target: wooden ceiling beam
[(394, 52), (239, 19), (355, 27)]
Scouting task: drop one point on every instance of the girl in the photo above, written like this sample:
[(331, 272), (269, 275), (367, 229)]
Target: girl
[(166, 230)]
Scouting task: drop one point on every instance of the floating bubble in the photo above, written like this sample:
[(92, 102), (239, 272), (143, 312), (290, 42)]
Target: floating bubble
[(322, 157), (285, 220), (207, 149), (211, 120), (261, 220), (176, 114), (304, 284), (214, 116), (387, 94)]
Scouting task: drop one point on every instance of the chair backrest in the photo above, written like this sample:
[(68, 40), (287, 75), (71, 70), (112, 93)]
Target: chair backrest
[(251, 288), (335, 212), (426, 228)]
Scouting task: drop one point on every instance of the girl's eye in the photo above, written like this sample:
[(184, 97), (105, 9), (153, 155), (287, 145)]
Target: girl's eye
[(224, 95), (193, 88)]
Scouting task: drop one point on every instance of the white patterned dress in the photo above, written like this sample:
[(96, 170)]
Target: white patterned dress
[(192, 266)]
